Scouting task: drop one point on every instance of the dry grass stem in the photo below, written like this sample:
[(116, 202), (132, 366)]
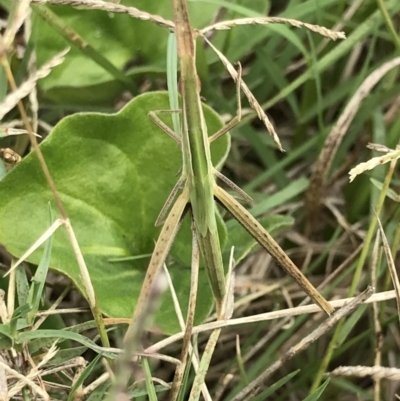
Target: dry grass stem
[(223, 383), (393, 111), (187, 327), (72, 363), (273, 20), (336, 135), (284, 313), (353, 60), (137, 355), (94, 384), (375, 372), (7, 130), (229, 301), (279, 325), (20, 13), (199, 380), (5, 318), (304, 343), (13, 98), (391, 265), (3, 382), (52, 309), (44, 237), (86, 281), (340, 218), (184, 327), (22, 382), (346, 17), (12, 289), (106, 376), (50, 354), (252, 296), (252, 100), (160, 357), (78, 394), (375, 311), (380, 148), (112, 8)]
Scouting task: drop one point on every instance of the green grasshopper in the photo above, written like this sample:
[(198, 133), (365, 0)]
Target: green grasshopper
[(200, 189)]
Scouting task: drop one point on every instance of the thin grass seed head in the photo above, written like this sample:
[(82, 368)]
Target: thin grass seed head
[(372, 163), (223, 25)]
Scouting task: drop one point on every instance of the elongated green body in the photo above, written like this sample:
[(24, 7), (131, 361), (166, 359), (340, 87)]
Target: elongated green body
[(197, 167)]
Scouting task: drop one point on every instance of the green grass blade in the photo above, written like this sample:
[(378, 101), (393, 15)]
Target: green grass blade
[(172, 80), (204, 365), (274, 387), (314, 396), (39, 279), (84, 375), (338, 51), (151, 391), (63, 334)]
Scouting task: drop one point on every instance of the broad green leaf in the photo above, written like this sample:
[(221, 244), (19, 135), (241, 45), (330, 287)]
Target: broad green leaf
[(129, 44), (113, 173)]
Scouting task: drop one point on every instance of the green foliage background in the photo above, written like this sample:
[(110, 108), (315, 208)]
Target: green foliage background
[(114, 190)]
